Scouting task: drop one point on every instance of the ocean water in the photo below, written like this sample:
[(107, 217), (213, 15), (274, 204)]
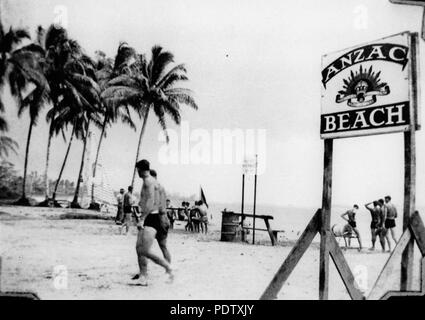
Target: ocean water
[(293, 220)]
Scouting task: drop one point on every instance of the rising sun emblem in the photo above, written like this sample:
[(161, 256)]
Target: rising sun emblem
[(361, 88)]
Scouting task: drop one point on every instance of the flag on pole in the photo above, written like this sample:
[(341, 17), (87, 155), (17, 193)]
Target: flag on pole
[(202, 197)]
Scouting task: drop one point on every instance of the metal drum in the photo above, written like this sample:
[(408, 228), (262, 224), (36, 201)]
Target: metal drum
[(229, 226)]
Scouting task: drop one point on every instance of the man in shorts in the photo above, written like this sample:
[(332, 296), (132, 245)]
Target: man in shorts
[(128, 210), (203, 216), (170, 213), (351, 214), (375, 224), (149, 225), (390, 214), (120, 198), (161, 197)]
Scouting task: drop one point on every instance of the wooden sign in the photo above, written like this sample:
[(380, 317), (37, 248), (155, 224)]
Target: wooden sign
[(368, 89)]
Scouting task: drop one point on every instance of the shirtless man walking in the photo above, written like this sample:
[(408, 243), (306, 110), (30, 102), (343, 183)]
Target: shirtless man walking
[(149, 225), (161, 198)]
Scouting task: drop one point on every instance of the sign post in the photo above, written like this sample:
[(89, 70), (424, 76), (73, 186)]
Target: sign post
[(242, 207), (249, 168), (255, 199)]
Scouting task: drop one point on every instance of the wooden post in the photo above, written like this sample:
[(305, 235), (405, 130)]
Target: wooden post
[(293, 258), (410, 171), (242, 207), (409, 206), (255, 199), (325, 220), (270, 231)]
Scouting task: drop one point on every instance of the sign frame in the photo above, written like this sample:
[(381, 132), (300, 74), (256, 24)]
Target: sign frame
[(412, 93)]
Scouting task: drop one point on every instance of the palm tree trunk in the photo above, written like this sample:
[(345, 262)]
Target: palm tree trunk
[(145, 120), (46, 179), (74, 203), (63, 165), (24, 199), (97, 157)]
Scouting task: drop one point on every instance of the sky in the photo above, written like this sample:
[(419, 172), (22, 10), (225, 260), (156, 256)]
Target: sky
[(252, 65)]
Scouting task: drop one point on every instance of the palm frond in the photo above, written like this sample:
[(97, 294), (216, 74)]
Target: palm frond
[(3, 125), (174, 70), (7, 145), (159, 61), (185, 99)]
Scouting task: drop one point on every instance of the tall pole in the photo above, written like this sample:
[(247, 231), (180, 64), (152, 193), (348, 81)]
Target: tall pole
[(242, 207), (325, 220), (406, 275), (255, 199)]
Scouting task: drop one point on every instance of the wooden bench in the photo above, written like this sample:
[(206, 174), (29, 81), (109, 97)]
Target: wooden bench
[(266, 218)]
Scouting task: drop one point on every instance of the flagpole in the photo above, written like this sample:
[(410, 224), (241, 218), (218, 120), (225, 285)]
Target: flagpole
[(255, 198)]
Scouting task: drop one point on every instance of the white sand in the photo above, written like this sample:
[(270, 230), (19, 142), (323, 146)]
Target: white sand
[(100, 262)]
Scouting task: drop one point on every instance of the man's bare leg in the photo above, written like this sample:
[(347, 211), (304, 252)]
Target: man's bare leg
[(387, 236), (373, 234), (145, 239), (382, 241), (163, 246), (393, 235), (358, 238)]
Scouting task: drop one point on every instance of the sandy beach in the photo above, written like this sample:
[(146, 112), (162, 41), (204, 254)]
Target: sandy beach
[(100, 262)]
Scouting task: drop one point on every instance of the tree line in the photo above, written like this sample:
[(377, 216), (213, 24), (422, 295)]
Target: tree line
[(82, 92), (10, 183)]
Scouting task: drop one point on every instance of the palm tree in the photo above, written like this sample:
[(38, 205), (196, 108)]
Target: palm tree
[(107, 69), (26, 71), (148, 86), (73, 91)]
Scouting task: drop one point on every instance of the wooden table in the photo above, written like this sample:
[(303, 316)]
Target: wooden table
[(266, 218)]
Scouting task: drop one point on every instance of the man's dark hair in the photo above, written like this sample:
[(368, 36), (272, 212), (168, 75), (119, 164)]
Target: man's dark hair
[(168, 200), (143, 165), (130, 188), (356, 206), (381, 201), (375, 203), (153, 173), (388, 197)]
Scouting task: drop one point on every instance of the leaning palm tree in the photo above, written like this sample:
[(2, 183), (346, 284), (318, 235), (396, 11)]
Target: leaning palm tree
[(148, 86), (34, 102), (27, 74), (107, 69), (87, 109), (70, 74)]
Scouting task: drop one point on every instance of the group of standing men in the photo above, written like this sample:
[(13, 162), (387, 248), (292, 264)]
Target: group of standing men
[(383, 214)]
